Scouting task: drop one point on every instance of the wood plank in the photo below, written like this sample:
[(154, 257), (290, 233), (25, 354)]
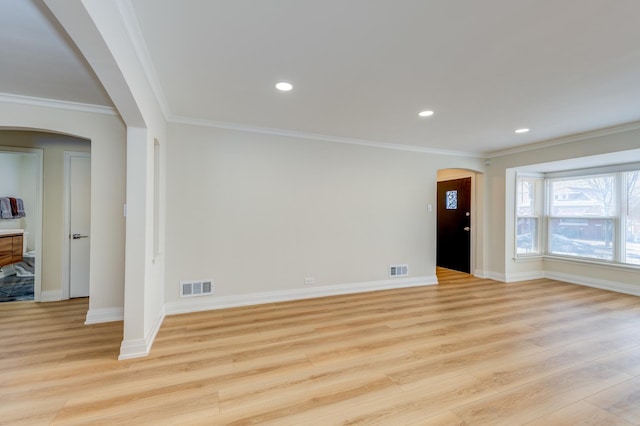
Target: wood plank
[(622, 400), (540, 397), (580, 413), (468, 351)]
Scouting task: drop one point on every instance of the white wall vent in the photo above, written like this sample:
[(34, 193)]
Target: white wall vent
[(398, 270), (196, 288)]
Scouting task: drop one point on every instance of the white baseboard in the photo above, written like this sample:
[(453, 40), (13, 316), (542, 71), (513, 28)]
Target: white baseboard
[(97, 316), (496, 276), (479, 273), (51, 296), (596, 283), (568, 278), (138, 348), (524, 276), (134, 348), (211, 302)]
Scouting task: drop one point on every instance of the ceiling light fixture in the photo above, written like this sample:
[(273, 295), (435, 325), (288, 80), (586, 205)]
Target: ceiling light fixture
[(425, 113), (524, 130), (283, 86)]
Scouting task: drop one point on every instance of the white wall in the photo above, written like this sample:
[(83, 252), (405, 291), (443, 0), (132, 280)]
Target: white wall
[(104, 33), (18, 174), (501, 199), (9, 175), (29, 191), (107, 136), (259, 213)]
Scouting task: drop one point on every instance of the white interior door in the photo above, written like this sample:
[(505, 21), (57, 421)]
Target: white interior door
[(79, 224)]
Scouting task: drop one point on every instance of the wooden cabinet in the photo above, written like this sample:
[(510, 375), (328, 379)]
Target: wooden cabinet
[(10, 249)]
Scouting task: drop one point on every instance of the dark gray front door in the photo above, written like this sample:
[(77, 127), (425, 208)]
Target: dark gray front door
[(454, 225)]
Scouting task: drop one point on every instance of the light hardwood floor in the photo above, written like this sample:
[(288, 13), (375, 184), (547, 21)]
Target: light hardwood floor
[(468, 351)]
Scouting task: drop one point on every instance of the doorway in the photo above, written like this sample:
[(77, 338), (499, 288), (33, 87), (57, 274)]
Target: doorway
[(454, 224), (76, 270), (21, 179)]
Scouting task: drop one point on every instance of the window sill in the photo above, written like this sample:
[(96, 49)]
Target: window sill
[(528, 257), (578, 260), (593, 263)]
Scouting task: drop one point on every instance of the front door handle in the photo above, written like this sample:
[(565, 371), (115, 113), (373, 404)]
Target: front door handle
[(78, 236), (466, 228)]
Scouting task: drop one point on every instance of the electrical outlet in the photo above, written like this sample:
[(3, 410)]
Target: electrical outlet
[(309, 280)]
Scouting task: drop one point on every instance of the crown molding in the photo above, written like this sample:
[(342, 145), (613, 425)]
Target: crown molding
[(131, 24), (56, 103), (606, 131), (316, 136)]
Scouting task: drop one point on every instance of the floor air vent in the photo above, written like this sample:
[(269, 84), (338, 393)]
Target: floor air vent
[(398, 270), (196, 288)]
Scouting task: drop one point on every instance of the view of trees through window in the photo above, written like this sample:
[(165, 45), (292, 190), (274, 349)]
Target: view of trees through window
[(595, 216), (632, 228), (582, 216)]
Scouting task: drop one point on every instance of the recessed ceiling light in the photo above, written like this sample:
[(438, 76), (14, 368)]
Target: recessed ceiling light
[(525, 130), (284, 86), (425, 113)]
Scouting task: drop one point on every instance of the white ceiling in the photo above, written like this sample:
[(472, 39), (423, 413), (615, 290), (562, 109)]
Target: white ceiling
[(363, 69), (37, 59)]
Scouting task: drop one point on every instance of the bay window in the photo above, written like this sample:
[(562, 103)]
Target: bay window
[(583, 216), (590, 215)]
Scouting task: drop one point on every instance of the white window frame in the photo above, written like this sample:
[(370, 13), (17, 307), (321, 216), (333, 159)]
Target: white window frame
[(539, 216), (549, 218), (619, 248)]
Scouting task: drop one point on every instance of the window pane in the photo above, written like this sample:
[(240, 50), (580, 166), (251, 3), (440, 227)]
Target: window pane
[(592, 238), (632, 239), (586, 196), (452, 200), (529, 196), (527, 235)]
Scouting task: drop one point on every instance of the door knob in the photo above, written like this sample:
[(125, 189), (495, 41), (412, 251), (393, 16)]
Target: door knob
[(78, 236), (466, 228)]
